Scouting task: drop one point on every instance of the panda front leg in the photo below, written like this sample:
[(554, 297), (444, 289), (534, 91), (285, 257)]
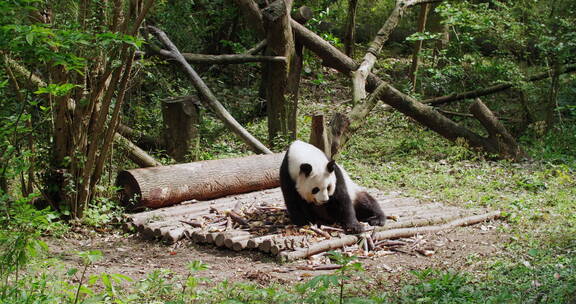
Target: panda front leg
[(348, 216), (299, 212)]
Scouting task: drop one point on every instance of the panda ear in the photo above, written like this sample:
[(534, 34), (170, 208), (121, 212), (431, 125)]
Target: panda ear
[(306, 169), (330, 166)]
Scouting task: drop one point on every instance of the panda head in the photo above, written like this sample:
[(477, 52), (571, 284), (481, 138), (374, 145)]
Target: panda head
[(316, 184)]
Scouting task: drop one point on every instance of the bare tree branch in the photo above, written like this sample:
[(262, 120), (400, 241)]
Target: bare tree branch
[(208, 97)]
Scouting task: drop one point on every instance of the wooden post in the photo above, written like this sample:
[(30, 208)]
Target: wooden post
[(318, 135), (181, 119)]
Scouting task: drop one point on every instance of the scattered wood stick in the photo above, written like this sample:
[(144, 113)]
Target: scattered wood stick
[(420, 222), (321, 267), (320, 232), (425, 252), (330, 228), (237, 218), (370, 243), (325, 245), (196, 224), (348, 240), (389, 243)]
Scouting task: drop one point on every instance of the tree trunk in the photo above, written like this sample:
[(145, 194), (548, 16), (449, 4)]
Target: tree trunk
[(498, 134), (181, 119), (421, 28), (168, 185), (553, 95), (280, 107), (350, 36), (302, 15)]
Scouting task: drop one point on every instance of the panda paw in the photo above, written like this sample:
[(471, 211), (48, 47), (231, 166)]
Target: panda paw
[(354, 228), (377, 221)]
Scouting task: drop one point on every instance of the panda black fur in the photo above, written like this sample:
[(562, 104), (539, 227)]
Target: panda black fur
[(319, 191)]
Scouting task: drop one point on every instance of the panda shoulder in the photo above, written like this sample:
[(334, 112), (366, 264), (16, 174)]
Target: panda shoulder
[(351, 187)]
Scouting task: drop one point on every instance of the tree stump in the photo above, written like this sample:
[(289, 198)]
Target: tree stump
[(181, 119)]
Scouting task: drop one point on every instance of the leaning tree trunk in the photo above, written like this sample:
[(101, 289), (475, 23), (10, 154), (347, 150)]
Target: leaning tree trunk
[(505, 144)]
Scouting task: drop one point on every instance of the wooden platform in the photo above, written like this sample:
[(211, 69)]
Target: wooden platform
[(258, 221)]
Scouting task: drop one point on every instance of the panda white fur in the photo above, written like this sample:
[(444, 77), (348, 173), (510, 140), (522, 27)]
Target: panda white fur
[(317, 190)]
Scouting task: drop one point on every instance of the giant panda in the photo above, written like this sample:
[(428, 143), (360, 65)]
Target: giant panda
[(317, 190)]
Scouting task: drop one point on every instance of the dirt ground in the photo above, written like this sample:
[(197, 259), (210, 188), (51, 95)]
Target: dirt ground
[(463, 248)]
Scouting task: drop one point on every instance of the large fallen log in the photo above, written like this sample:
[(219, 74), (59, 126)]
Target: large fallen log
[(167, 185)]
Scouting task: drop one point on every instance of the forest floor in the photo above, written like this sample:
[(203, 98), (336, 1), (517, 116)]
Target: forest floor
[(460, 249)]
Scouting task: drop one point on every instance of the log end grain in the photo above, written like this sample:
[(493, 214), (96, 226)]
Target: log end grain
[(129, 194)]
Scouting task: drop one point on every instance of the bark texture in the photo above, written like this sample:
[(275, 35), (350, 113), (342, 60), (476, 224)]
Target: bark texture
[(319, 135)]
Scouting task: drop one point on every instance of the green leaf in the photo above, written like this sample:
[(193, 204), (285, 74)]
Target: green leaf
[(71, 271), (196, 266), (120, 277), (30, 38)]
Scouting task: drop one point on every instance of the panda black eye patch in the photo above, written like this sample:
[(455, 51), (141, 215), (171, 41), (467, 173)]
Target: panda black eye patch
[(315, 190)]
